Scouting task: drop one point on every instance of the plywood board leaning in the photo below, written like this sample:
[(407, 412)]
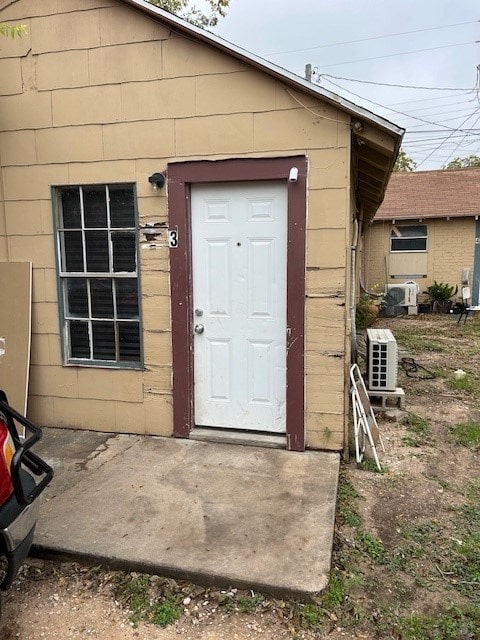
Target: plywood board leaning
[(15, 328)]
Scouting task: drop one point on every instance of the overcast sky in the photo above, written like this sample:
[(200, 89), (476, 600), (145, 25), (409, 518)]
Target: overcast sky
[(293, 33)]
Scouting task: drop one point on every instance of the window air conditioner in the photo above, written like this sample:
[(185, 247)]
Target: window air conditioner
[(382, 358), (403, 295)]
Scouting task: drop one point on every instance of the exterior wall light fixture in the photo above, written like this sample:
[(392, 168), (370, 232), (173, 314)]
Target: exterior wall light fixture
[(157, 180)]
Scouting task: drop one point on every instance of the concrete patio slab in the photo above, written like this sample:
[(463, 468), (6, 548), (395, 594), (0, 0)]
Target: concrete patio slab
[(213, 513)]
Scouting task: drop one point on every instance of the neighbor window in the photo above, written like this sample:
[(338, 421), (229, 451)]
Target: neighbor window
[(98, 277), (409, 238)]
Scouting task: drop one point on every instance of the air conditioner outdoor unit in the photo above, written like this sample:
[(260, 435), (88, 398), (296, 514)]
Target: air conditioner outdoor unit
[(403, 295), (382, 360)]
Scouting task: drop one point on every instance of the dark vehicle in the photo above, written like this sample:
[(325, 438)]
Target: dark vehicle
[(23, 477)]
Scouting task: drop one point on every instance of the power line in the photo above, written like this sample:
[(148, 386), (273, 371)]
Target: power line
[(401, 86), (447, 138), (443, 120), (402, 113), (390, 35), (472, 131), (401, 53), (430, 110), (453, 95)]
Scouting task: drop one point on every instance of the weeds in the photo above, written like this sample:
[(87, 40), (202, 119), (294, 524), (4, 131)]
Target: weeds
[(369, 464), (464, 565), (165, 613), (312, 616), (145, 607), (419, 432), (336, 592), (417, 342), (346, 511), (449, 623), (372, 547), (469, 383), (466, 434), (249, 603)]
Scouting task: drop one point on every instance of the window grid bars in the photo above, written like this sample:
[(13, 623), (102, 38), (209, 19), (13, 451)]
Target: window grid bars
[(89, 276)]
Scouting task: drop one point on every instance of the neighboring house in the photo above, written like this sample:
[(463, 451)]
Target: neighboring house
[(427, 229), (244, 322)]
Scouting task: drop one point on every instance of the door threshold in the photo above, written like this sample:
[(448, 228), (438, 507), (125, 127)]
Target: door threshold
[(234, 436)]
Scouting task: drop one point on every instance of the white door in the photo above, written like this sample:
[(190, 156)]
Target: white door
[(239, 249)]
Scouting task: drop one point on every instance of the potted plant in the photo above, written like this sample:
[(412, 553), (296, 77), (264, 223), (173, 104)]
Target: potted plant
[(439, 295)]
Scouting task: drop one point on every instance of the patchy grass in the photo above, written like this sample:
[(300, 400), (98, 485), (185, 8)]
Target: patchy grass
[(419, 432), (416, 340), (451, 623), (466, 434), (346, 510), (470, 384), (145, 605), (380, 589), (464, 558), (369, 464), (250, 603)]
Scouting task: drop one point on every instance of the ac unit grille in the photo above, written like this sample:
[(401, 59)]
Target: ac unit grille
[(381, 360)]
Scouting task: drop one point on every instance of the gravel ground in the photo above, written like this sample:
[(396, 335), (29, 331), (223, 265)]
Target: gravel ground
[(51, 600)]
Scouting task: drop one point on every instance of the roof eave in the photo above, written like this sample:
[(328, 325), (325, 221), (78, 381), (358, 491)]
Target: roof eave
[(426, 216)]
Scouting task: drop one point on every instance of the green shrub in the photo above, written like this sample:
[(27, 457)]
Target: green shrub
[(366, 312)]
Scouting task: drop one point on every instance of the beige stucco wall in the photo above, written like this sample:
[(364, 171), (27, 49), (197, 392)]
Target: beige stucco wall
[(98, 92), (450, 248)]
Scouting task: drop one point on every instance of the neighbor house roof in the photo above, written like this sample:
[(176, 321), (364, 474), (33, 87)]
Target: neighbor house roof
[(376, 140), (431, 194)]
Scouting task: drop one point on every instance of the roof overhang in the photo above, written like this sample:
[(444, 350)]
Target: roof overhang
[(426, 216), (376, 141)]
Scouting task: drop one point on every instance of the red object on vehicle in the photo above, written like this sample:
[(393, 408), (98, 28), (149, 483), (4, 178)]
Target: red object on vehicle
[(7, 451)]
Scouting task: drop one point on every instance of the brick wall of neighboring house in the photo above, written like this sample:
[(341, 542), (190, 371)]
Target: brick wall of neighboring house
[(452, 249), (451, 245)]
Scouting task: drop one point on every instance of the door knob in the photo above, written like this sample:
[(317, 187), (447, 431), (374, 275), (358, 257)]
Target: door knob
[(199, 328)]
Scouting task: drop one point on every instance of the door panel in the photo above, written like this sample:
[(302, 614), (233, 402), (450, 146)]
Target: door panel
[(239, 263)]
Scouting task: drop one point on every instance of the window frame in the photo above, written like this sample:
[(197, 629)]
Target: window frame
[(417, 237), (63, 277)]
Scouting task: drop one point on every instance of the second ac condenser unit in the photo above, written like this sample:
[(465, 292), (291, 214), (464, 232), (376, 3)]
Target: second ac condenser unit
[(403, 295), (382, 359)]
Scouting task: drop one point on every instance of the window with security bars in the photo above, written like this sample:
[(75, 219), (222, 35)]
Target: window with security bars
[(98, 277)]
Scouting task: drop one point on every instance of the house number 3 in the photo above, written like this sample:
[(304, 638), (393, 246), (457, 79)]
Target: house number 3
[(173, 238)]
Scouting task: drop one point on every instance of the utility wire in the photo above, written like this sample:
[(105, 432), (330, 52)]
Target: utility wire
[(453, 95), (475, 113), (390, 35), (473, 124), (446, 139), (400, 53), (472, 131), (402, 113), (432, 113), (402, 86)]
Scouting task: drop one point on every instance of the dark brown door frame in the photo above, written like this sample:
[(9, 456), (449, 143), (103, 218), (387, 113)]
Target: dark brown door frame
[(179, 178)]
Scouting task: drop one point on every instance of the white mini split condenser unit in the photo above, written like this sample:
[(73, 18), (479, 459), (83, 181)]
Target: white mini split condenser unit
[(403, 295), (382, 360)]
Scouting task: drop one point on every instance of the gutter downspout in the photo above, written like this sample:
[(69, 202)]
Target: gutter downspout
[(353, 331), (353, 281)]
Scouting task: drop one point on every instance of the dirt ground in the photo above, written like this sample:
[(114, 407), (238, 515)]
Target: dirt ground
[(399, 545)]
